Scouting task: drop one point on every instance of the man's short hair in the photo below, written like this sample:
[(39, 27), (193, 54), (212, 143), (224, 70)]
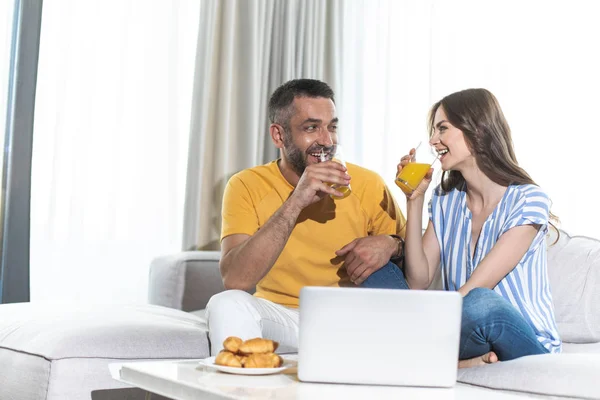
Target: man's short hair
[(282, 99)]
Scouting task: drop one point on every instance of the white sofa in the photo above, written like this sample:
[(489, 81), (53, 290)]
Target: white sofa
[(49, 354), (186, 281)]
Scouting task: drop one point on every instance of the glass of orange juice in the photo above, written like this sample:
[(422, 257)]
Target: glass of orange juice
[(413, 173), (337, 154)]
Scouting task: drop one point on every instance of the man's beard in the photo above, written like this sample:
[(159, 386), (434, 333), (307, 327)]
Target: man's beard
[(294, 155), (297, 158)]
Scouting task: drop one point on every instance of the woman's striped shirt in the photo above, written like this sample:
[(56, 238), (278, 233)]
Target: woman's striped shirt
[(526, 286)]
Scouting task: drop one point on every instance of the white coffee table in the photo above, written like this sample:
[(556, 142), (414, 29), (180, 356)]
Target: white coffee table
[(188, 379)]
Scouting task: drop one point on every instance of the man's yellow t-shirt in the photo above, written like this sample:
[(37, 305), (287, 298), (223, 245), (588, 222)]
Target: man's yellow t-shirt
[(253, 195)]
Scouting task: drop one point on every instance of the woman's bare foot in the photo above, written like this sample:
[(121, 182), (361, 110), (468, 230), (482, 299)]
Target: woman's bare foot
[(488, 358)]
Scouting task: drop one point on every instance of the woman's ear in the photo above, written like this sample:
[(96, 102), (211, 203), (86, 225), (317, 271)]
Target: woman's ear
[(277, 133)]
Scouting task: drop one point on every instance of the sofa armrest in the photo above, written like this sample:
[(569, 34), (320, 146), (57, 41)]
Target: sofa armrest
[(186, 280)]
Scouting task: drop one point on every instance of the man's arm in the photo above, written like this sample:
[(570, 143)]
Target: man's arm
[(247, 259), (365, 255)]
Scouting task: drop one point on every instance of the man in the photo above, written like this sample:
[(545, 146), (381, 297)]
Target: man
[(282, 230)]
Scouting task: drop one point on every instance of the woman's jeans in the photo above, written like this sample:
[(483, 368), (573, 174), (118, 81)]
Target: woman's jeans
[(489, 322)]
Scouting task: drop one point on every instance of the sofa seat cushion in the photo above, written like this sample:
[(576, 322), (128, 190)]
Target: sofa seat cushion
[(65, 352), (567, 374), (201, 315), (587, 348)]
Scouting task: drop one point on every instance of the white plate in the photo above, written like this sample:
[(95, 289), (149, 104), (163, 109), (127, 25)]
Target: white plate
[(210, 362)]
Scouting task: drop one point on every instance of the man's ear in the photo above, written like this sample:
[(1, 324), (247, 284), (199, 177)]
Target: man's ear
[(277, 133)]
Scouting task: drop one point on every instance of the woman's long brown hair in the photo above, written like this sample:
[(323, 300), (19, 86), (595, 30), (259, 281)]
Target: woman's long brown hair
[(477, 113)]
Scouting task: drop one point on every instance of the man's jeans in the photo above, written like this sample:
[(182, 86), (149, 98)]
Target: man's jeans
[(489, 322)]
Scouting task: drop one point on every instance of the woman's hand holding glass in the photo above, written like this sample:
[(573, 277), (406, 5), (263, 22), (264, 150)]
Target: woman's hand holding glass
[(414, 176)]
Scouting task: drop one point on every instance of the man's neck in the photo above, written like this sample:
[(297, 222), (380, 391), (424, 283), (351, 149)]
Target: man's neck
[(288, 172)]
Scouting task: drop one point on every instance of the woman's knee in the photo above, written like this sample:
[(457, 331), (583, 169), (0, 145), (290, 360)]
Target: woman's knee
[(481, 303), (480, 294)]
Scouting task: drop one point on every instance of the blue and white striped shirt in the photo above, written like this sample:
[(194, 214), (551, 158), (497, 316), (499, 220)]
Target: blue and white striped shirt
[(526, 286)]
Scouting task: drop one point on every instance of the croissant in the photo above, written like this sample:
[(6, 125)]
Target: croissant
[(232, 344), (258, 345), (227, 359), (263, 360), (242, 359)]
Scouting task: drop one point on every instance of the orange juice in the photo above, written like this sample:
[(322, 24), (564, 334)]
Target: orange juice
[(345, 190), (411, 175)]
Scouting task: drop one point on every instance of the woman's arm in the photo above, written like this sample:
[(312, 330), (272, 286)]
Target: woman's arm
[(422, 251), (503, 258)]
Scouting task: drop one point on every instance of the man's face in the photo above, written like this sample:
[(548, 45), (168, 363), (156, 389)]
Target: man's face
[(312, 130)]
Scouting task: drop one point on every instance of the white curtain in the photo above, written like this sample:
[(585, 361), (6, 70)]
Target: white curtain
[(246, 48), (538, 57), (384, 95), (541, 59), (110, 145), (119, 81)]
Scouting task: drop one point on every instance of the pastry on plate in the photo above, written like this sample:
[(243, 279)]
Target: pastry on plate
[(258, 345), (227, 359), (232, 344), (263, 360)]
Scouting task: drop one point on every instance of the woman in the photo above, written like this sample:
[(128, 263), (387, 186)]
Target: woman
[(487, 228)]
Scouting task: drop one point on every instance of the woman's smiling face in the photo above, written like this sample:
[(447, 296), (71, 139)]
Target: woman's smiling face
[(449, 141)]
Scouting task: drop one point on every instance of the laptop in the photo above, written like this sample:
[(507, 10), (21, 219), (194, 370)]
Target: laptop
[(379, 336)]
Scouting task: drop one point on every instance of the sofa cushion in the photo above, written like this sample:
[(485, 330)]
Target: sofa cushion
[(568, 375), (201, 314), (574, 272), (106, 331), (64, 353)]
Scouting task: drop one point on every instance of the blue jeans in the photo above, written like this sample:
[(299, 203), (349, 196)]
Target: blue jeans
[(489, 322)]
